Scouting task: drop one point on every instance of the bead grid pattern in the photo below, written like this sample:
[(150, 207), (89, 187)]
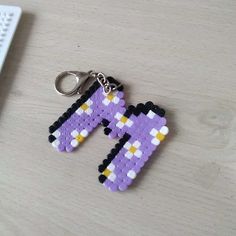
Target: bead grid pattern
[(9, 18), (140, 129)]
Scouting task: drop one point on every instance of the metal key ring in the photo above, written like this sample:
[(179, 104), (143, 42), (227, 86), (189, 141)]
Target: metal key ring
[(63, 75)]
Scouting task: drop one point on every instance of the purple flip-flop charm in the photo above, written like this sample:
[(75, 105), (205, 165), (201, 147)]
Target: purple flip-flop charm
[(140, 128)]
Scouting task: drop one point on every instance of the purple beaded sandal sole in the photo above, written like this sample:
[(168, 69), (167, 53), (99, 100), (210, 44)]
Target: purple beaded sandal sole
[(140, 129)]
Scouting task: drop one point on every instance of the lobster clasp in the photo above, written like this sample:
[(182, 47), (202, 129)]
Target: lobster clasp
[(80, 77)]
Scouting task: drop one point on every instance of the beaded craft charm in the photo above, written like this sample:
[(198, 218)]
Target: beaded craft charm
[(140, 128)]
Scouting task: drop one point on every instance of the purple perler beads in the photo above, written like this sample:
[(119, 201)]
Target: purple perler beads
[(140, 129)]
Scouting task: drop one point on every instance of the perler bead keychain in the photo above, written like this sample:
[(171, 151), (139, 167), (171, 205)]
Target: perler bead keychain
[(140, 128)]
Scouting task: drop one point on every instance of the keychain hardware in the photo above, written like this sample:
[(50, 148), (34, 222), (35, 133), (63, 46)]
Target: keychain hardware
[(82, 78)]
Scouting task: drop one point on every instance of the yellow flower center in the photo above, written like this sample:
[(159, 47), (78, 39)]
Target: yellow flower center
[(80, 138), (123, 119), (84, 107), (160, 136), (132, 149), (110, 97), (106, 172)]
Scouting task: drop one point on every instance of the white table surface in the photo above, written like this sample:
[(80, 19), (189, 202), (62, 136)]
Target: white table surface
[(179, 54)]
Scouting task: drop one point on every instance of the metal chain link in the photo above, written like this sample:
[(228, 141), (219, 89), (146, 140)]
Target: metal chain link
[(104, 82)]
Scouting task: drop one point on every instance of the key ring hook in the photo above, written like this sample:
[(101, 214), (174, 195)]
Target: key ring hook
[(81, 78)]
